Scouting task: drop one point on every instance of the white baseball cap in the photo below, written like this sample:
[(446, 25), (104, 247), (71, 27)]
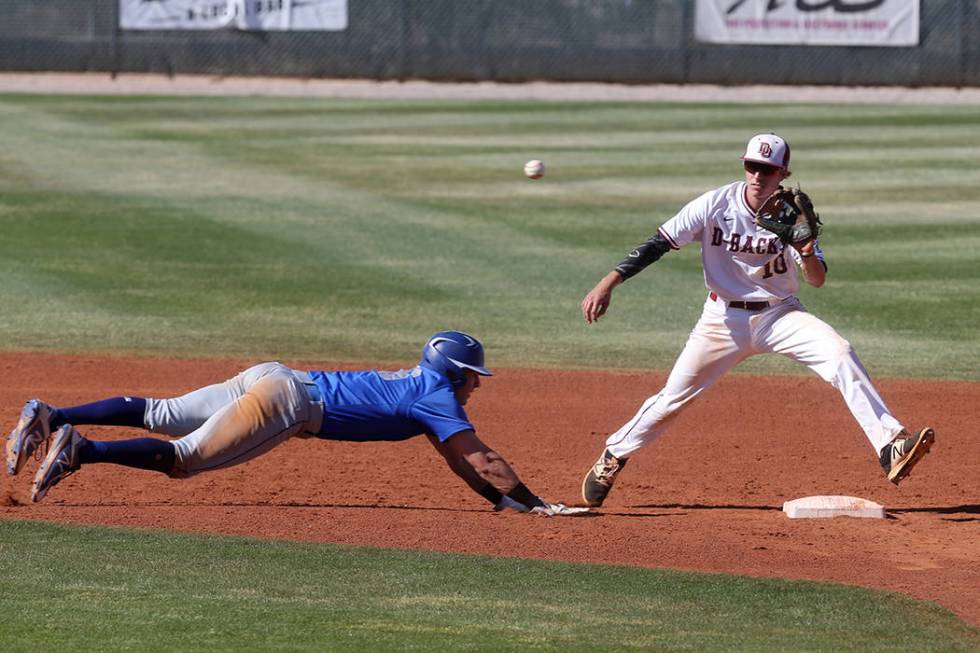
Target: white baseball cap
[(768, 149)]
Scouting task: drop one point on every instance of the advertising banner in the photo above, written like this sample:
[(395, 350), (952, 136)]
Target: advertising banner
[(257, 15), (892, 23)]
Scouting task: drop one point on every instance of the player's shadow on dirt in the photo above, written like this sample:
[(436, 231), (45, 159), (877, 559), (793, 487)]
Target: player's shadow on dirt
[(284, 504), (972, 509), (680, 506), (400, 507), (965, 509), (704, 506)]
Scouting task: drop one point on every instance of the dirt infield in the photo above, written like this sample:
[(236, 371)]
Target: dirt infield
[(707, 497)]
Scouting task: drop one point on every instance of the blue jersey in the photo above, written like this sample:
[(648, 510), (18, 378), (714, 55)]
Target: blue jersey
[(372, 405)]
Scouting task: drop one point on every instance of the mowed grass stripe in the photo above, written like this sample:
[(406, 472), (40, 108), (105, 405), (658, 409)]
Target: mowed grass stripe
[(109, 589), (350, 230)]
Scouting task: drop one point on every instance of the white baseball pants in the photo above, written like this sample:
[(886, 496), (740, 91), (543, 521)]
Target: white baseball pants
[(229, 423), (724, 337)]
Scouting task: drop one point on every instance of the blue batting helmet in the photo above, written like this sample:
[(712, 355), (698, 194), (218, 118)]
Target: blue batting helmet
[(450, 352)]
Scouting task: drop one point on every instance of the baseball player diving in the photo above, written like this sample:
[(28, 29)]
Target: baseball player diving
[(235, 421), (754, 235)]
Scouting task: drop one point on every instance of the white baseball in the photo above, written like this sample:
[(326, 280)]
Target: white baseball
[(534, 169)]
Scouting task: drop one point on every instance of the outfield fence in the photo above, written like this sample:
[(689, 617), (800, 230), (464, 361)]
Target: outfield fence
[(624, 41)]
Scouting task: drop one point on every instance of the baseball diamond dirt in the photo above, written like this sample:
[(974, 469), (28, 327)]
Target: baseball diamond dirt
[(707, 500)]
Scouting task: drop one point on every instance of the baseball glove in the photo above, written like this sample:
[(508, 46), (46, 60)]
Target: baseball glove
[(789, 214)]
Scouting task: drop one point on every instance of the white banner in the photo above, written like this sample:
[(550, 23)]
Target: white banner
[(808, 22), (259, 15)]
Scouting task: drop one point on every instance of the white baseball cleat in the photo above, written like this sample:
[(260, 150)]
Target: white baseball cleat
[(61, 461), (32, 429)]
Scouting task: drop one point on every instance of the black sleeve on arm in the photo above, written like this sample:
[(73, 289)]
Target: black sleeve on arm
[(644, 254)]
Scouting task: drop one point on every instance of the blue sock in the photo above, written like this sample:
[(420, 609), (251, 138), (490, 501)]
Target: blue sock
[(118, 411), (143, 453)]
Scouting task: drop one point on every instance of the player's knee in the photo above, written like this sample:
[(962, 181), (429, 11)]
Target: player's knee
[(838, 356), (842, 349)]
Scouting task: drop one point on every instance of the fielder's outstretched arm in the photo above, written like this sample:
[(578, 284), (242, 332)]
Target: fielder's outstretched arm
[(597, 301), (484, 469)]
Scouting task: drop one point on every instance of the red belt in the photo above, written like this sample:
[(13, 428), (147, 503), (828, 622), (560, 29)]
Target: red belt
[(747, 306)]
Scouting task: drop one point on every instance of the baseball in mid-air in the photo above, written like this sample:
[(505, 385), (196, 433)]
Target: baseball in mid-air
[(534, 169)]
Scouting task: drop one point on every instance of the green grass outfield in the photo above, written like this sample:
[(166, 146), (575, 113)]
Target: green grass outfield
[(106, 589), (350, 230)]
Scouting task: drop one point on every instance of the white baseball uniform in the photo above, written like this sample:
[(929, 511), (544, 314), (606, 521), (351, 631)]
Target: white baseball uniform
[(745, 264)]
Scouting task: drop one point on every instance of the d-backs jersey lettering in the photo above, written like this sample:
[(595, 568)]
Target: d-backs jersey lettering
[(741, 260)]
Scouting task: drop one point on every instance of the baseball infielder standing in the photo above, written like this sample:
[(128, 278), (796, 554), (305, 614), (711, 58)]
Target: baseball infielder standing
[(230, 423), (751, 308)]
